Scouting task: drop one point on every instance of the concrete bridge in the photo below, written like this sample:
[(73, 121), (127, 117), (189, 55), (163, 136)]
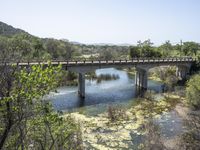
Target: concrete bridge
[(142, 66)]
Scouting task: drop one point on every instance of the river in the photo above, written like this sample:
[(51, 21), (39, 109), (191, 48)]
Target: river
[(121, 90)]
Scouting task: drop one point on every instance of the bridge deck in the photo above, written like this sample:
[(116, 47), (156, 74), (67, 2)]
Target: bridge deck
[(96, 62)]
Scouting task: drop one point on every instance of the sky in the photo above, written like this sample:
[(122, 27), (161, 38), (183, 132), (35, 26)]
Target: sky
[(106, 21)]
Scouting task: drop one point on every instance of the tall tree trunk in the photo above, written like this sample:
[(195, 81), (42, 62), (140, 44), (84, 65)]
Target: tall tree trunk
[(8, 126)]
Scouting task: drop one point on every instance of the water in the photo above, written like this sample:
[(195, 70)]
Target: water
[(101, 94), (121, 91)]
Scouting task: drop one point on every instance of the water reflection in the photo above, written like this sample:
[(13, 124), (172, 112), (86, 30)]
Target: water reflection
[(107, 77), (121, 90)]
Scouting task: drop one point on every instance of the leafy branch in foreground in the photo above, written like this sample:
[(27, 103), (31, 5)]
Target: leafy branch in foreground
[(27, 119)]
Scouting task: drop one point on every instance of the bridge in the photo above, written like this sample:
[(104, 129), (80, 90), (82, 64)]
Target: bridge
[(142, 66)]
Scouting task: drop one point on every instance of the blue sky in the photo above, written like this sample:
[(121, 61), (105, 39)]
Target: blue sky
[(106, 21)]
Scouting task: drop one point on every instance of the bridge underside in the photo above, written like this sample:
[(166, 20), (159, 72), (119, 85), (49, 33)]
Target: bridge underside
[(141, 76)]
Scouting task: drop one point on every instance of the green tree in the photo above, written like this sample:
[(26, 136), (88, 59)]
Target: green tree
[(38, 48), (134, 51), (107, 54), (193, 91), (26, 118), (166, 48), (190, 48), (147, 50)]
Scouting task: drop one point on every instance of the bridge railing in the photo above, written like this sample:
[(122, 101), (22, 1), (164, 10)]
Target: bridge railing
[(138, 60), (77, 62)]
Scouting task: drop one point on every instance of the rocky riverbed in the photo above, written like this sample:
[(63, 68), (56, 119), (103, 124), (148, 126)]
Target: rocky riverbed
[(147, 123)]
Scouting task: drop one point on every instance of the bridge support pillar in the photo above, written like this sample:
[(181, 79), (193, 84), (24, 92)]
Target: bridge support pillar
[(182, 72), (141, 78), (81, 85)]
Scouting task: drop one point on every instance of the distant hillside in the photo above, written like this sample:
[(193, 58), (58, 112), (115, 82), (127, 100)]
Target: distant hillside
[(8, 30), (28, 46)]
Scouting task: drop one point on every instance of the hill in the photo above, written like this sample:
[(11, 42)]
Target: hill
[(8, 30), (27, 46)]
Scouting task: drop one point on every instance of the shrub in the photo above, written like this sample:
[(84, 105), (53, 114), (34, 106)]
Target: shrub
[(116, 113), (193, 91)]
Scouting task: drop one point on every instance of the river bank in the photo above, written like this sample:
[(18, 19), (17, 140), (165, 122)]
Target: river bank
[(151, 75), (132, 130)]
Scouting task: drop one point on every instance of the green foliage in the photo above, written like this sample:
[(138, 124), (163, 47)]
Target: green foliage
[(193, 91), (36, 83), (103, 51), (107, 54), (71, 75), (28, 120), (8, 30), (144, 49), (27, 47), (134, 51), (50, 131), (68, 78), (190, 48), (166, 49), (18, 44), (167, 75), (59, 49)]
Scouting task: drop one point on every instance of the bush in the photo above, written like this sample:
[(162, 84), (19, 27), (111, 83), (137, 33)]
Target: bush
[(193, 91), (116, 113)]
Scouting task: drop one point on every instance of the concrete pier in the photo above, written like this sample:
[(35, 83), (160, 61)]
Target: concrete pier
[(182, 72), (81, 85), (141, 78)]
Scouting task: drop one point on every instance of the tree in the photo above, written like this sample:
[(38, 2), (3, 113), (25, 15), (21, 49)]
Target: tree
[(134, 51), (190, 48), (178, 50), (20, 46), (193, 91), (59, 49), (106, 54), (147, 50), (170, 82), (38, 48), (166, 48), (26, 118)]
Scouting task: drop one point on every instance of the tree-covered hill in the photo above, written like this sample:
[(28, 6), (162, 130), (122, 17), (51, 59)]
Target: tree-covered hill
[(8, 30), (20, 45)]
